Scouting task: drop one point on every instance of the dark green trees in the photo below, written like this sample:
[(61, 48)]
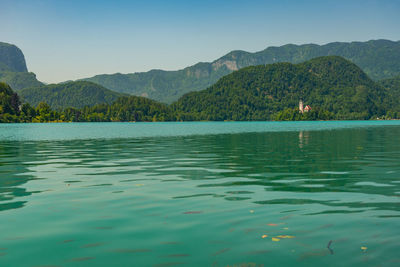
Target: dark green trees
[(331, 85)]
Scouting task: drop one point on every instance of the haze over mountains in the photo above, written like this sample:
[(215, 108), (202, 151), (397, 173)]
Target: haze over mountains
[(378, 59), (334, 87)]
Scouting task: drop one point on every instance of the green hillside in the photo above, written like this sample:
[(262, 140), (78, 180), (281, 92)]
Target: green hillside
[(19, 80), (125, 108), (393, 92), (9, 100), (334, 87), (379, 59), (71, 94)]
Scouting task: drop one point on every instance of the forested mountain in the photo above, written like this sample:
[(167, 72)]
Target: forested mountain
[(378, 58), (13, 70), (11, 58), (70, 94), (9, 100), (125, 108), (393, 92), (19, 80), (334, 87)]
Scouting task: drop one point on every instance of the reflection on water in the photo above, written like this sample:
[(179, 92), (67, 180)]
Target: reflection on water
[(245, 198)]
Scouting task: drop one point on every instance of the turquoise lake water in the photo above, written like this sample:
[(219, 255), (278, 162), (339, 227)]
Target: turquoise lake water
[(200, 194)]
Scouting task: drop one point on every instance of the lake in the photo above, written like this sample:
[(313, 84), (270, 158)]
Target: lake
[(200, 194)]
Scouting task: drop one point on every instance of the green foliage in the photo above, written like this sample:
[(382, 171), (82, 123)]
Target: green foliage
[(19, 80), (126, 108), (70, 94), (293, 114), (9, 104), (336, 87), (378, 58), (129, 108), (392, 87)]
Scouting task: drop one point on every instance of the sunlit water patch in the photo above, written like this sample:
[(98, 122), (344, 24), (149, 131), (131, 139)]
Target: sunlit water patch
[(307, 195)]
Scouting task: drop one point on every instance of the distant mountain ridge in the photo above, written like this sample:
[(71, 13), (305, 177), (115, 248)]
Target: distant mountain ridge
[(378, 58), (11, 58), (13, 70), (334, 87)]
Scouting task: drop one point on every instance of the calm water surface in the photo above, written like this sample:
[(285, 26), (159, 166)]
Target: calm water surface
[(200, 194)]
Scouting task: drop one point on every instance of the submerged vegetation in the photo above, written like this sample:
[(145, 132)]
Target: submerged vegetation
[(332, 87)]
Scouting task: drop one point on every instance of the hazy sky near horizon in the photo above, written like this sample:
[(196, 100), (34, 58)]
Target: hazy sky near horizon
[(69, 39)]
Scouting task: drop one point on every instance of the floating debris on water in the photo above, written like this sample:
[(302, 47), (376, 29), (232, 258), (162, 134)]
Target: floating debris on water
[(364, 249), (275, 239), (221, 251), (193, 212), (264, 236), (92, 245)]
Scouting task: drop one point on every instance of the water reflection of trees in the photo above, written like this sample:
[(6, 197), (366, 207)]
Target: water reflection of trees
[(310, 161), (314, 161)]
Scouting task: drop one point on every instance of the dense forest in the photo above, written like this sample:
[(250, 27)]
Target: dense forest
[(71, 94), (126, 108), (379, 59), (332, 86)]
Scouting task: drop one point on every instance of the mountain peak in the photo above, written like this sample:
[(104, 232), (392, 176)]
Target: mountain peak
[(12, 58)]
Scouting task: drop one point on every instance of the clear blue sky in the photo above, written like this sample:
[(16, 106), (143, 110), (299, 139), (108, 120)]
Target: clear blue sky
[(71, 39)]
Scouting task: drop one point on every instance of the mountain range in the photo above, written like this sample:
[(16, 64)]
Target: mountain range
[(379, 59), (332, 88)]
